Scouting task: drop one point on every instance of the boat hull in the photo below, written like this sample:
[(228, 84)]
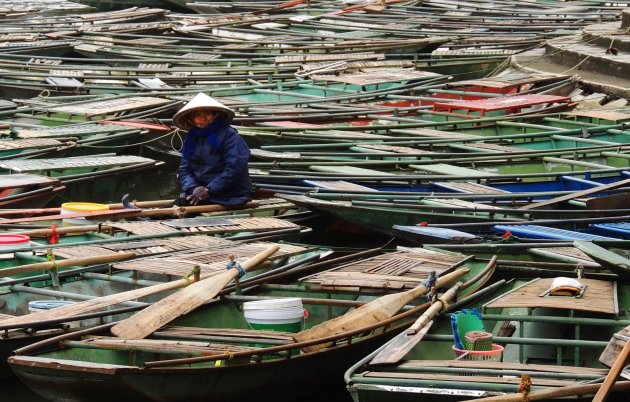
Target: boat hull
[(269, 380)]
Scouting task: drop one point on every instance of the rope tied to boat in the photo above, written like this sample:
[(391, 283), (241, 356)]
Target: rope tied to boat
[(196, 270), (50, 257), (525, 386), (233, 264)]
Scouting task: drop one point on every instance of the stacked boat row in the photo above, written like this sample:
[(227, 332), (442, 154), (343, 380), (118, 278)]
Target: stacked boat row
[(487, 197)]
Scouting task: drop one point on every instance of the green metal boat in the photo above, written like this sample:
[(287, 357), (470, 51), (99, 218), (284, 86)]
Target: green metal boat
[(239, 361)]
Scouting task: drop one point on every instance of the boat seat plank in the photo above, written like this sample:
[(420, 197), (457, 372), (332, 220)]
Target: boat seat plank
[(157, 344), (78, 162), (152, 83), (230, 225), (548, 368), (338, 185), (458, 203), (99, 108), (215, 260), (312, 57), (599, 296), (64, 82), (29, 143), (255, 335), (451, 170), (142, 247), (349, 170), (394, 149), (77, 130), (385, 268), (438, 134), (571, 254), (541, 382), (22, 180), (543, 232), (376, 77), (482, 146), (468, 187)]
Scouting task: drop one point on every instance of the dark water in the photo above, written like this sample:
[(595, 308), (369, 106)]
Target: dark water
[(14, 391)]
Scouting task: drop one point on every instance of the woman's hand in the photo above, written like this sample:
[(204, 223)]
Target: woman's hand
[(199, 193)]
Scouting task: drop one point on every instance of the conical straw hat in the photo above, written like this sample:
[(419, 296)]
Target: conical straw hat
[(199, 102)]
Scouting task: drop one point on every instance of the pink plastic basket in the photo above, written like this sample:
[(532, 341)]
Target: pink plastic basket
[(495, 354)]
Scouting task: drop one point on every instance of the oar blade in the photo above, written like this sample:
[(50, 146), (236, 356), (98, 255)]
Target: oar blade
[(371, 313), (144, 323), (396, 350), (147, 321)]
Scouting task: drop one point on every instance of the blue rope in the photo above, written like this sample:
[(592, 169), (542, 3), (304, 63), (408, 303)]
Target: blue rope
[(234, 264)]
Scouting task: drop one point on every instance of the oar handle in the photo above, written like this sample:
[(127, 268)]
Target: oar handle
[(611, 378), (71, 262)]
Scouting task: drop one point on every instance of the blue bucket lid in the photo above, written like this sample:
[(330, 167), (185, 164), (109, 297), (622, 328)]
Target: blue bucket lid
[(48, 304)]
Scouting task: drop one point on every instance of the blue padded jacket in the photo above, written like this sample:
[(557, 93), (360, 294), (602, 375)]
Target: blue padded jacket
[(219, 162)]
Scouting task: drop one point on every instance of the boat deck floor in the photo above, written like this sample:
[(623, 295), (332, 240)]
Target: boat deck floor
[(29, 143), (142, 247), (564, 253), (78, 162), (253, 334), (181, 264), (157, 345), (210, 226), (469, 187), (598, 296), (393, 271)]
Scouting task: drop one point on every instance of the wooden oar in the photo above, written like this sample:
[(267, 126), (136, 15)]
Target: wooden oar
[(406, 340), (102, 302), (38, 211), (612, 375), (606, 258), (145, 322), (71, 262), (133, 213), (371, 313), (577, 194)]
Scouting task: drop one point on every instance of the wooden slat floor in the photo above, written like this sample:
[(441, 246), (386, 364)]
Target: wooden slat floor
[(215, 260), (394, 271), (34, 143), (143, 247), (95, 161), (232, 225), (599, 296)]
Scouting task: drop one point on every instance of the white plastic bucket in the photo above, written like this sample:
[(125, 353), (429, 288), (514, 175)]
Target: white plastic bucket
[(286, 315), (80, 207)]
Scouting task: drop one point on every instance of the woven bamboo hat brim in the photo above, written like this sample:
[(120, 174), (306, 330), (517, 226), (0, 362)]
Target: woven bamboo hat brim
[(199, 102)]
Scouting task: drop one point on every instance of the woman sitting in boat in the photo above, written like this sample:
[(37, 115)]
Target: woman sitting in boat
[(213, 169)]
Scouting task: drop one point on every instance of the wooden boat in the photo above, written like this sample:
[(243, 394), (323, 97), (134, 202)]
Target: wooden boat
[(106, 168), (252, 351), (27, 190), (538, 348), (162, 261), (454, 213)]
